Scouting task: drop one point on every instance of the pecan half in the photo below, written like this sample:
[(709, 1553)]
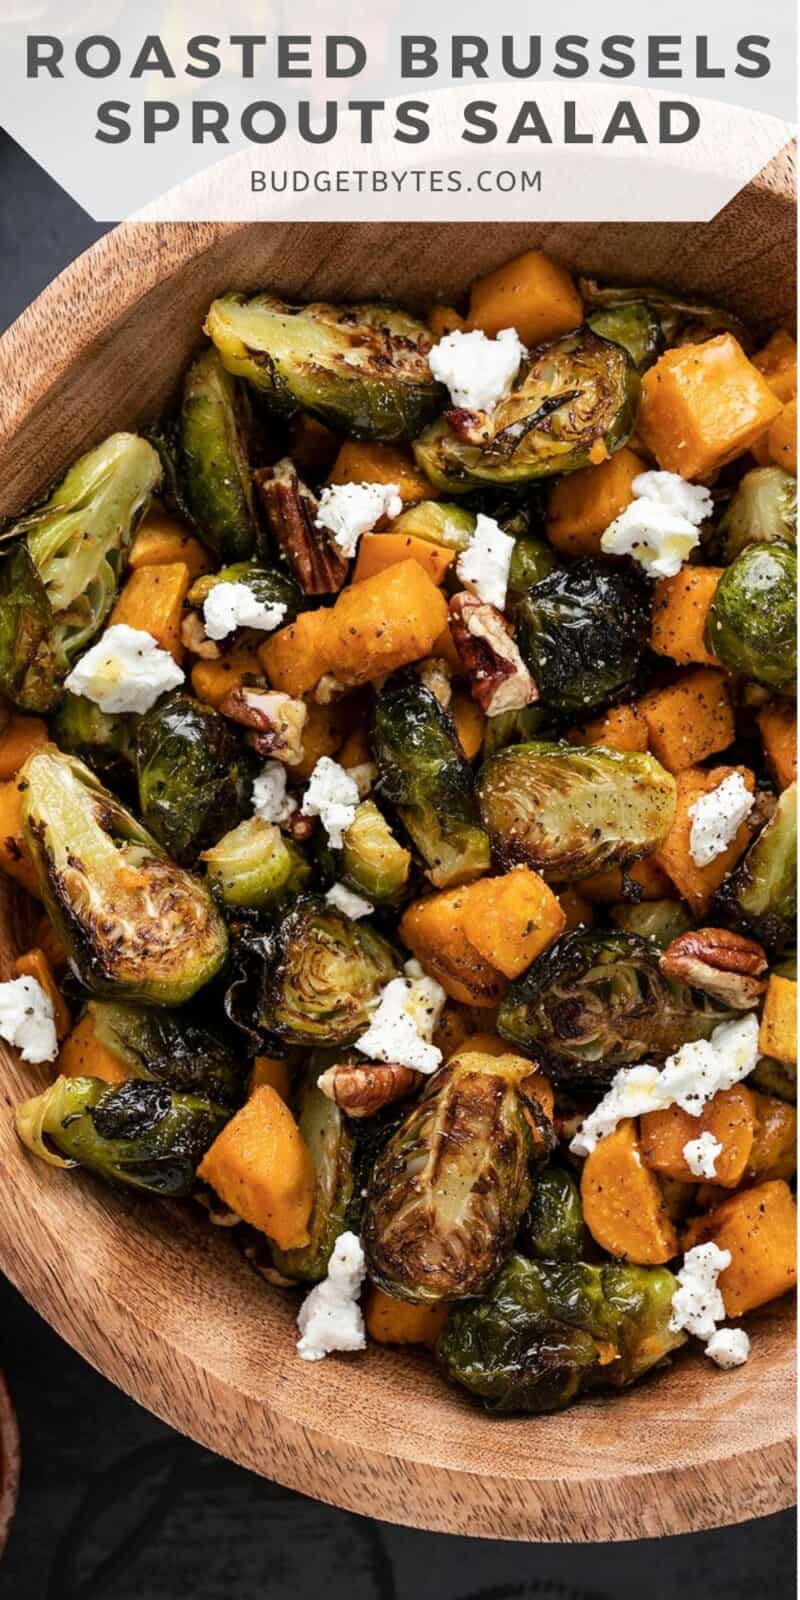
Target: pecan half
[(291, 511), (725, 965), (500, 680), (195, 639), (361, 1091), (275, 720), (435, 674)]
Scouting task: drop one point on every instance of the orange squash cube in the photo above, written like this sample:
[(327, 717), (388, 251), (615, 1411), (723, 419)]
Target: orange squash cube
[(777, 362), (83, 1056), (469, 723), (152, 598), (606, 888), (697, 885), (16, 860), (777, 724), (730, 1116), (774, 1152), (262, 1168), (18, 740), (703, 405), (680, 608), (759, 1227), (778, 1033), (212, 680), (623, 1206), (532, 293), (443, 320), (690, 719), (390, 1321), (512, 919), (583, 504), (376, 551), (361, 461), (271, 1070), (383, 623), (162, 540), (435, 931), (621, 728), (296, 657)]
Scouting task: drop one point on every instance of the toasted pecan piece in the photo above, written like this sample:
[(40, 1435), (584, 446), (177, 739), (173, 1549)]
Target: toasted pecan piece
[(499, 678), (291, 509), (275, 721), (360, 1091), (725, 965)]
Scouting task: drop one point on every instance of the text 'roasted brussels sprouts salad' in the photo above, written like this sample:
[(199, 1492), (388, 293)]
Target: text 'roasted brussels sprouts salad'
[(400, 741)]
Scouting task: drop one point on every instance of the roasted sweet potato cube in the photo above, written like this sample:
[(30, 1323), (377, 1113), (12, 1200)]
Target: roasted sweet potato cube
[(621, 728), (392, 1321), (152, 599), (16, 860), (362, 461), (702, 405), (759, 1227), (730, 1116), (212, 680), (261, 1168), (583, 504), (383, 623), (532, 293), (774, 1151), (162, 540), (623, 1206), (778, 1033), (436, 932), (777, 724), (690, 719), (680, 608), (296, 657), (20, 737), (83, 1056), (376, 551), (696, 884), (512, 919)]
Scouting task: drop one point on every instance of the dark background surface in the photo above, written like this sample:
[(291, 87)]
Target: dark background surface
[(116, 1506)]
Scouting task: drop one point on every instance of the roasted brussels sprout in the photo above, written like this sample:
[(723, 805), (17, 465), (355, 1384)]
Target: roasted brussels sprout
[(682, 321), (438, 522), (574, 394), (659, 920), (549, 1331), (180, 1048), (104, 740), (775, 1077), (255, 865), (250, 959), (423, 773), (326, 972), (582, 632), (552, 1228), (215, 425), (141, 1134), (752, 621), (763, 509), (77, 541), (363, 369), (634, 325), (135, 925), (268, 585), (596, 1001), (513, 727), (531, 560), (373, 863), (332, 1146), (194, 773), (760, 896), (570, 812), (448, 1190)]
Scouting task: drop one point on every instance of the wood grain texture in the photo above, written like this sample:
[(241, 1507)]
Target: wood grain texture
[(153, 1297)]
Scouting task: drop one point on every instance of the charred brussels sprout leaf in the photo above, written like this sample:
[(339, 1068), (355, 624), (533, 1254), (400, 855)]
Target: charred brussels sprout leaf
[(682, 321), (106, 742), (255, 866), (570, 812), (194, 774), (332, 1146), (760, 896), (363, 368), (251, 954), (548, 1332), (438, 522), (77, 541), (552, 1228), (267, 585), (373, 863), (659, 920), (594, 1002), (512, 727), (215, 426), (633, 325), (141, 1134), (135, 925), (423, 773), (582, 632), (448, 1190), (180, 1048), (26, 620), (571, 396), (532, 559), (327, 972), (763, 509), (752, 622)]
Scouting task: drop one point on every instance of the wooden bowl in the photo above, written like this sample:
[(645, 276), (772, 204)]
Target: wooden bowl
[(157, 1300)]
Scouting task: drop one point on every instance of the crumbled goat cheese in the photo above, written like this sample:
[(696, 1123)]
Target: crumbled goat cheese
[(233, 605), (659, 527), (717, 818), (689, 1079), (330, 1317), (477, 371), (353, 905), (332, 795), (484, 566), (349, 509), (701, 1156), (729, 1347), (270, 799), (125, 671), (27, 1019), (697, 1304), (404, 1020)]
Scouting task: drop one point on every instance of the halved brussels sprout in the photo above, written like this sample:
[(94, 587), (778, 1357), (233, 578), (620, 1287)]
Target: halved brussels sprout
[(141, 1134), (659, 920), (327, 972), (438, 522), (255, 865), (194, 773), (448, 1190), (682, 321), (513, 727), (26, 621), (572, 396), (634, 325), (763, 509), (215, 426), (77, 540), (775, 1077), (596, 1001), (423, 773), (135, 925), (570, 812), (363, 368), (180, 1048), (373, 863), (582, 632), (549, 1331), (752, 622), (552, 1228), (532, 559), (104, 740), (268, 585), (760, 896), (332, 1145)]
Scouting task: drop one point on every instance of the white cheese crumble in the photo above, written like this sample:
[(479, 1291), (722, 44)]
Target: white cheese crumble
[(332, 795), (728, 1347), (717, 818), (125, 671), (270, 799), (697, 1304), (484, 566), (478, 371), (330, 1317), (659, 527), (689, 1079), (404, 1020), (27, 1019), (344, 899), (701, 1156), (229, 606), (349, 509)]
